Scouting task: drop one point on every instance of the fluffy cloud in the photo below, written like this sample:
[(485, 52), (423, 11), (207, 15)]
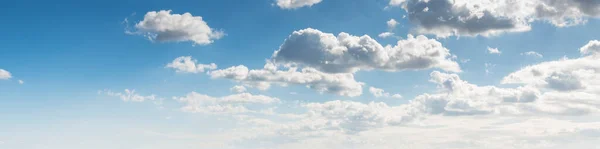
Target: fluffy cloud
[(593, 47), (5, 75), (391, 24), (533, 53), (163, 26), (130, 95), (564, 74), (492, 17), (341, 83), (347, 54), (231, 104), (293, 4), (238, 89), (189, 65), (494, 50), (377, 92)]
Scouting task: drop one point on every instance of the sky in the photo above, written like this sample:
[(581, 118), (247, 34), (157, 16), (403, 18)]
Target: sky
[(322, 74)]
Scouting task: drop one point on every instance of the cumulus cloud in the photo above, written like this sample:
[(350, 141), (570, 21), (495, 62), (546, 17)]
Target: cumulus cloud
[(391, 24), (532, 53), (231, 104), (492, 17), (340, 83), (564, 74), (293, 4), (163, 26), (494, 50), (377, 92), (130, 95), (593, 47), (188, 65), (347, 54), (238, 89), (5, 75)]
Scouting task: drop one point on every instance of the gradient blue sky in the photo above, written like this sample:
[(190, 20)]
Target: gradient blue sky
[(70, 53)]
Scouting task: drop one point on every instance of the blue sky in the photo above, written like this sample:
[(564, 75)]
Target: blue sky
[(105, 74)]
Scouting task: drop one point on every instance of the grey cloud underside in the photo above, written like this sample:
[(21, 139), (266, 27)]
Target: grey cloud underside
[(441, 15), (492, 17), (347, 54)]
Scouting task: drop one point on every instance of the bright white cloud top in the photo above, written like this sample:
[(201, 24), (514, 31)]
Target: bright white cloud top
[(163, 26), (346, 53)]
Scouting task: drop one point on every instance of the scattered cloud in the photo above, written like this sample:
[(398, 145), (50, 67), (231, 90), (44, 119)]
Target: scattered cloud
[(294, 4), (5, 75), (130, 95), (377, 92), (532, 53), (188, 65), (163, 26), (21, 82), (488, 68), (231, 104), (386, 35), (494, 51), (391, 24), (340, 83), (238, 89)]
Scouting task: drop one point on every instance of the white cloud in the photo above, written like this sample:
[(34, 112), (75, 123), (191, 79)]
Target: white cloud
[(347, 54), (391, 24), (593, 47), (231, 104), (533, 53), (377, 92), (238, 89), (293, 4), (341, 83), (163, 26), (189, 65), (494, 51), (492, 17), (130, 95), (21, 82), (386, 35), (5, 75), (580, 74)]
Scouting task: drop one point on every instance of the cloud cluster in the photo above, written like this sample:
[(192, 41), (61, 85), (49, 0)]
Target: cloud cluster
[(341, 83), (377, 92), (348, 54), (293, 4), (491, 17), (5, 75), (130, 95), (163, 26), (188, 65), (231, 104)]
